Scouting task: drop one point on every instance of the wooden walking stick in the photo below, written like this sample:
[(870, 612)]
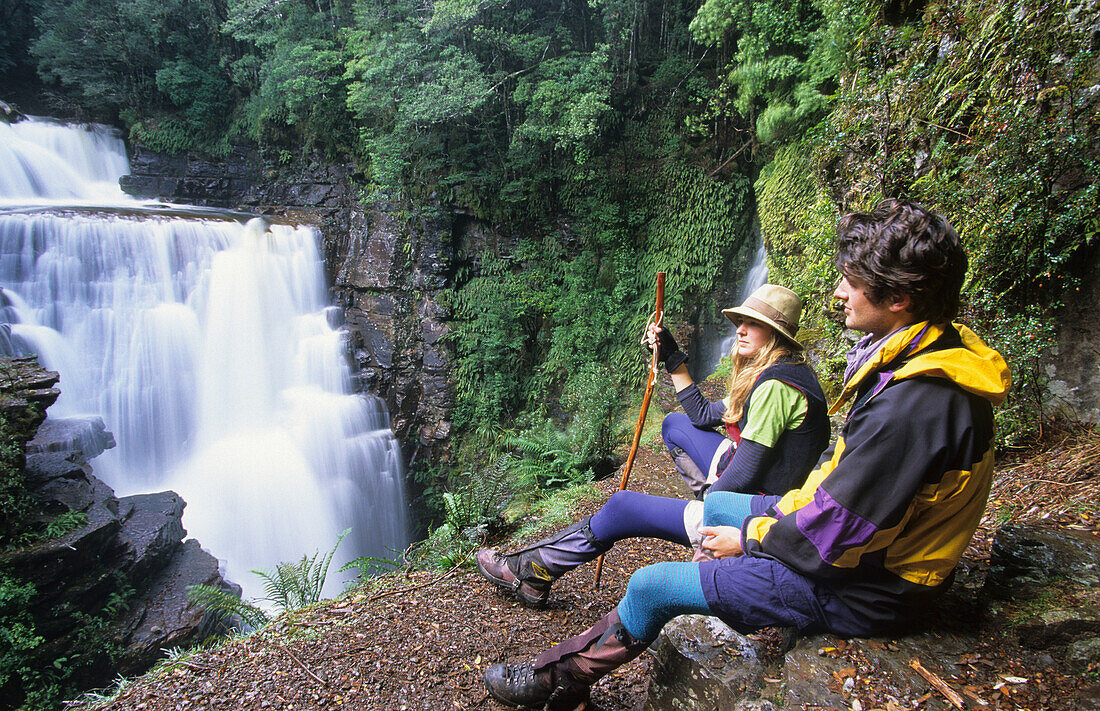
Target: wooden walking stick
[(651, 379)]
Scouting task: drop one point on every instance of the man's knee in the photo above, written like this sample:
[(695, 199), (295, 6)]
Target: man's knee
[(726, 508), (649, 585)]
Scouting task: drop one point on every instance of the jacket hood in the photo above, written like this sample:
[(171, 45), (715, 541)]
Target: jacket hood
[(966, 361)]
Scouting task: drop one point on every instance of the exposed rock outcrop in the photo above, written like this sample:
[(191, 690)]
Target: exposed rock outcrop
[(1042, 586), (190, 179), (1073, 366), (124, 569)]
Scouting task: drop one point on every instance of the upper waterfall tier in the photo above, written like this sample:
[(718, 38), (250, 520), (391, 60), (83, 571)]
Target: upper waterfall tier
[(46, 161)]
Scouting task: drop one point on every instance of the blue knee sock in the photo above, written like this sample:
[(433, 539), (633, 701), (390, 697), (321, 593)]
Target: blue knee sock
[(726, 508), (656, 594)]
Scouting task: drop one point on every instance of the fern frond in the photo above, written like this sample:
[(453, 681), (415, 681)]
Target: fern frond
[(216, 600), (293, 585)]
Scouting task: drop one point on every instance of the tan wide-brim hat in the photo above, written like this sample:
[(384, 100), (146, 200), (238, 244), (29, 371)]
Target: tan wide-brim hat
[(777, 306)]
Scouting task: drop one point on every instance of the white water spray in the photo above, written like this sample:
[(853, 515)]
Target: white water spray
[(756, 277), (206, 345)]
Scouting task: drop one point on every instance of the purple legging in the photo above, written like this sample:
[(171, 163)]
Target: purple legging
[(628, 514), (699, 444)]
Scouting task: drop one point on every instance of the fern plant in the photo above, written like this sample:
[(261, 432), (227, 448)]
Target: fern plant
[(289, 586), (215, 600), (546, 459), (294, 585), (471, 509)]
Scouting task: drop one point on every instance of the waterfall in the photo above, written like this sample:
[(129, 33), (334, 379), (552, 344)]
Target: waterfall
[(756, 277), (208, 347), (46, 161)]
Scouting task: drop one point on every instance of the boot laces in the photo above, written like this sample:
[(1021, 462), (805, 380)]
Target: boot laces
[(519, 675)]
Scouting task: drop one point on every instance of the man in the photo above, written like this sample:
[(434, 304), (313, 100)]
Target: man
[(876, 530)]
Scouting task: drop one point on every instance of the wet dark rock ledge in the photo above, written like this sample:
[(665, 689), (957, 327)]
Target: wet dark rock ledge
[(128, 564)]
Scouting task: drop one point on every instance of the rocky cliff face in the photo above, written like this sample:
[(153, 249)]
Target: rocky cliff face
[(1073, 368), (123, 572)]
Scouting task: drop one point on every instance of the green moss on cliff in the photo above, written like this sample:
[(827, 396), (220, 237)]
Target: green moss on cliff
[(986, 112)]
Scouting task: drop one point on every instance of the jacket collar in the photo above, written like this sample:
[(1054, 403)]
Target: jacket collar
[(960, 357)]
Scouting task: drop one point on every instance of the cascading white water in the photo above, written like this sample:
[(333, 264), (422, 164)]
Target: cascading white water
[(49, 161), (756, 277), (208, 348)]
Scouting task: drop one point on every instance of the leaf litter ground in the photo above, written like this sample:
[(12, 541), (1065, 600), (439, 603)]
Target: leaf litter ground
[(423, 640)]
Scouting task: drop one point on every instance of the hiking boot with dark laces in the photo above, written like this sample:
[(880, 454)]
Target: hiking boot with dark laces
[(521, 685), (528, 573)]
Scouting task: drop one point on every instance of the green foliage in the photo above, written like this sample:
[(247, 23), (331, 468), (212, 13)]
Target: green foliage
[(18, 636), (547, 458), (212, 598), (140, 59), (699, 223), (551, 457), (555, 510), (490, 101), (472, 507), (16, 35), (36, 674), (293, 585), (784, 66), (65, 523), (289, 586), (499, 317), (1024, 339), (799, 223), (293, 72), (369, 566), (16, 504), (100, 698), (565, 103)]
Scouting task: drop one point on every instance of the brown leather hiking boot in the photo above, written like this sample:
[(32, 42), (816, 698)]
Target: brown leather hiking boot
[(528, 573), (532, 591), (561, 677), (521, 685)]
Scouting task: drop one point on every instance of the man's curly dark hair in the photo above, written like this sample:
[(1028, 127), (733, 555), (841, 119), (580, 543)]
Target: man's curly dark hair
[(901, 247)]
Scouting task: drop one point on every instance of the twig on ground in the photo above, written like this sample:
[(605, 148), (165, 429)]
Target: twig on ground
[(441, 578), (302, 664), (939, 684)]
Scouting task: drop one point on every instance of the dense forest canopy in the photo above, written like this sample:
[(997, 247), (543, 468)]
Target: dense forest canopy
[(613, 138), (609, 139)]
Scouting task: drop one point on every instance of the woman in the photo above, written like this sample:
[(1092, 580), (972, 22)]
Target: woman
[(774, 418), (777, 414)]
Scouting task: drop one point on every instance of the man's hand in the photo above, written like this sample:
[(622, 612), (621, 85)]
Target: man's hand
[(722, 541)]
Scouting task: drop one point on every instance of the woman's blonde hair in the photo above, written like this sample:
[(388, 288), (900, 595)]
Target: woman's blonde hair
[(745, 371)]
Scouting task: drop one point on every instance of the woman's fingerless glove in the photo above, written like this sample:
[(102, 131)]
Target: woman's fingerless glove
[(668, 352)]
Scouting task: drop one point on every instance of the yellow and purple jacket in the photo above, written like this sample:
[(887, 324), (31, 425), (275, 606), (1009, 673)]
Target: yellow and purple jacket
[(891, 506)]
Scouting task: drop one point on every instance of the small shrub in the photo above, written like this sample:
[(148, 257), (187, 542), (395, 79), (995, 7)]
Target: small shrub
[(472, 508)]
